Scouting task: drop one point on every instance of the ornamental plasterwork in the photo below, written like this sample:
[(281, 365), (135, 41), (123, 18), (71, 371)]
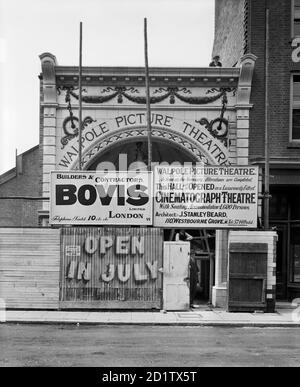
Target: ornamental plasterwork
[(160, 94), (157, 133), (217, 127)]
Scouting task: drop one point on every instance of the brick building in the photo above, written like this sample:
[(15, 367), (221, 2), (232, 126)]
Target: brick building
[(198, 115), (209, 115), (20, 191), (240, 28)]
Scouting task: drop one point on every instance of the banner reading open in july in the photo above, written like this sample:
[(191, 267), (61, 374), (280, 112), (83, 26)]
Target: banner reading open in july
[(205, 197), (101, 198)]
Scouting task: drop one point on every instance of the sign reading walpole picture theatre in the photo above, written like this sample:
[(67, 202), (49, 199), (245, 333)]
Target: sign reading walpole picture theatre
[(208, 197), (101, 198)]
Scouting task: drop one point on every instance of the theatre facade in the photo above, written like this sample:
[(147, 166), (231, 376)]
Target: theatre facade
[(198, 115)]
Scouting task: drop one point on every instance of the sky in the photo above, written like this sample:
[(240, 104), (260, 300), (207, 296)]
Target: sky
[(180, 33)]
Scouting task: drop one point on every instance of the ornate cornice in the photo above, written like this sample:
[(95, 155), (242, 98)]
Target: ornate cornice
[(135, 76), (159, 77), (184, 72)]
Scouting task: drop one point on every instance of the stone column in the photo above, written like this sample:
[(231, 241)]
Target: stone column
[(219, 291)]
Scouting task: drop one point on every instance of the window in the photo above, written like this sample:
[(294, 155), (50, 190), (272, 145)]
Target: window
[(295, 132), (296, 18), (279, 205), (295, 255)]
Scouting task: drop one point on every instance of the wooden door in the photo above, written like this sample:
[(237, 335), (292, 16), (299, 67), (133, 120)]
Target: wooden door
[(176, 293), (247, 276)]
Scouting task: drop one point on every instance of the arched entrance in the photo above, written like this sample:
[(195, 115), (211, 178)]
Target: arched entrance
[(121, 154), (185, 144), (137, 151)]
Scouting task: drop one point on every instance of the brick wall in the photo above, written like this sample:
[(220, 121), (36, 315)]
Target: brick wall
[(240, 28), (279, 78), (19, 212), (257, 47), (27, 182), (18, 187), (229, 31), (279, 68)]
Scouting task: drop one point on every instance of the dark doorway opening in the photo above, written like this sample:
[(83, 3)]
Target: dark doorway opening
[(202, 272), (285, 218)]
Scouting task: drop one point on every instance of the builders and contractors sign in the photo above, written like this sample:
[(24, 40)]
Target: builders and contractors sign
[(101, 198), (179, 197), (205, 197)]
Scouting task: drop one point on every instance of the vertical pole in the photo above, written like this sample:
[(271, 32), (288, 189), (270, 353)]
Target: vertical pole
[(80, 98), (16, 160), (147, 98), (267, 162)]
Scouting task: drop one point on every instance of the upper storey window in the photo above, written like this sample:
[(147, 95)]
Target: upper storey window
[(295, 132), (296, 18)]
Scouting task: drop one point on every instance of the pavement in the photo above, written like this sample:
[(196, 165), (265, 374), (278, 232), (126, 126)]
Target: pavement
[(285, 316)]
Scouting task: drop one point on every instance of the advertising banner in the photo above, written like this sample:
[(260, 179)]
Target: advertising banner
[(111, 267), (101, 198), (205, 197)]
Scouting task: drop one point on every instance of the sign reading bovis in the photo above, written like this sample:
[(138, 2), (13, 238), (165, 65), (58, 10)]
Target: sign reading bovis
[(101, 198)]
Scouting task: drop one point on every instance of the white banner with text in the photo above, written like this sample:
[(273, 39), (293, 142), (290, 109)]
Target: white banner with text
[(101, 198), (205, 197)]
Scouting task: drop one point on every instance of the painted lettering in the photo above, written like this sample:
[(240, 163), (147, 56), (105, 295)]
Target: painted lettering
[(122, 244), (137, 273), (137, 245), (106, 242), (296, 51), (90, 244), (124, 272)]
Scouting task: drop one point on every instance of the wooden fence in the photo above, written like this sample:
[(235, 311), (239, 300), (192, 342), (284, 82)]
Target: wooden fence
[(81, 267), (29, 267)]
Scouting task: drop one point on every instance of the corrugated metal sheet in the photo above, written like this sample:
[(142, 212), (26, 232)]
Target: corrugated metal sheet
[(29, 267), (111, 267)]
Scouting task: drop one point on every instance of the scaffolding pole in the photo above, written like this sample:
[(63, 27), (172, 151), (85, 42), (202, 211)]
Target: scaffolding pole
[(267, 155), (147, 98), (80, 100)]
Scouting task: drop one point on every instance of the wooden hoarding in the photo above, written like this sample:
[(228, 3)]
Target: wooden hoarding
[(29, 267), (110, 267)]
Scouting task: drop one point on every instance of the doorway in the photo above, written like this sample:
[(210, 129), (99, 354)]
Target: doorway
[(202, 265), (281, 262), (285, 218), (203, 252)]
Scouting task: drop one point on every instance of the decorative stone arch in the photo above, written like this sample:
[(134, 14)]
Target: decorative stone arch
[(177, 139)]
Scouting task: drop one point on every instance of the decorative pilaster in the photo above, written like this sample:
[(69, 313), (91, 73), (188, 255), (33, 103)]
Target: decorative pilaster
[(219, 292), (240, 154), (48, 129), (247, 63)]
